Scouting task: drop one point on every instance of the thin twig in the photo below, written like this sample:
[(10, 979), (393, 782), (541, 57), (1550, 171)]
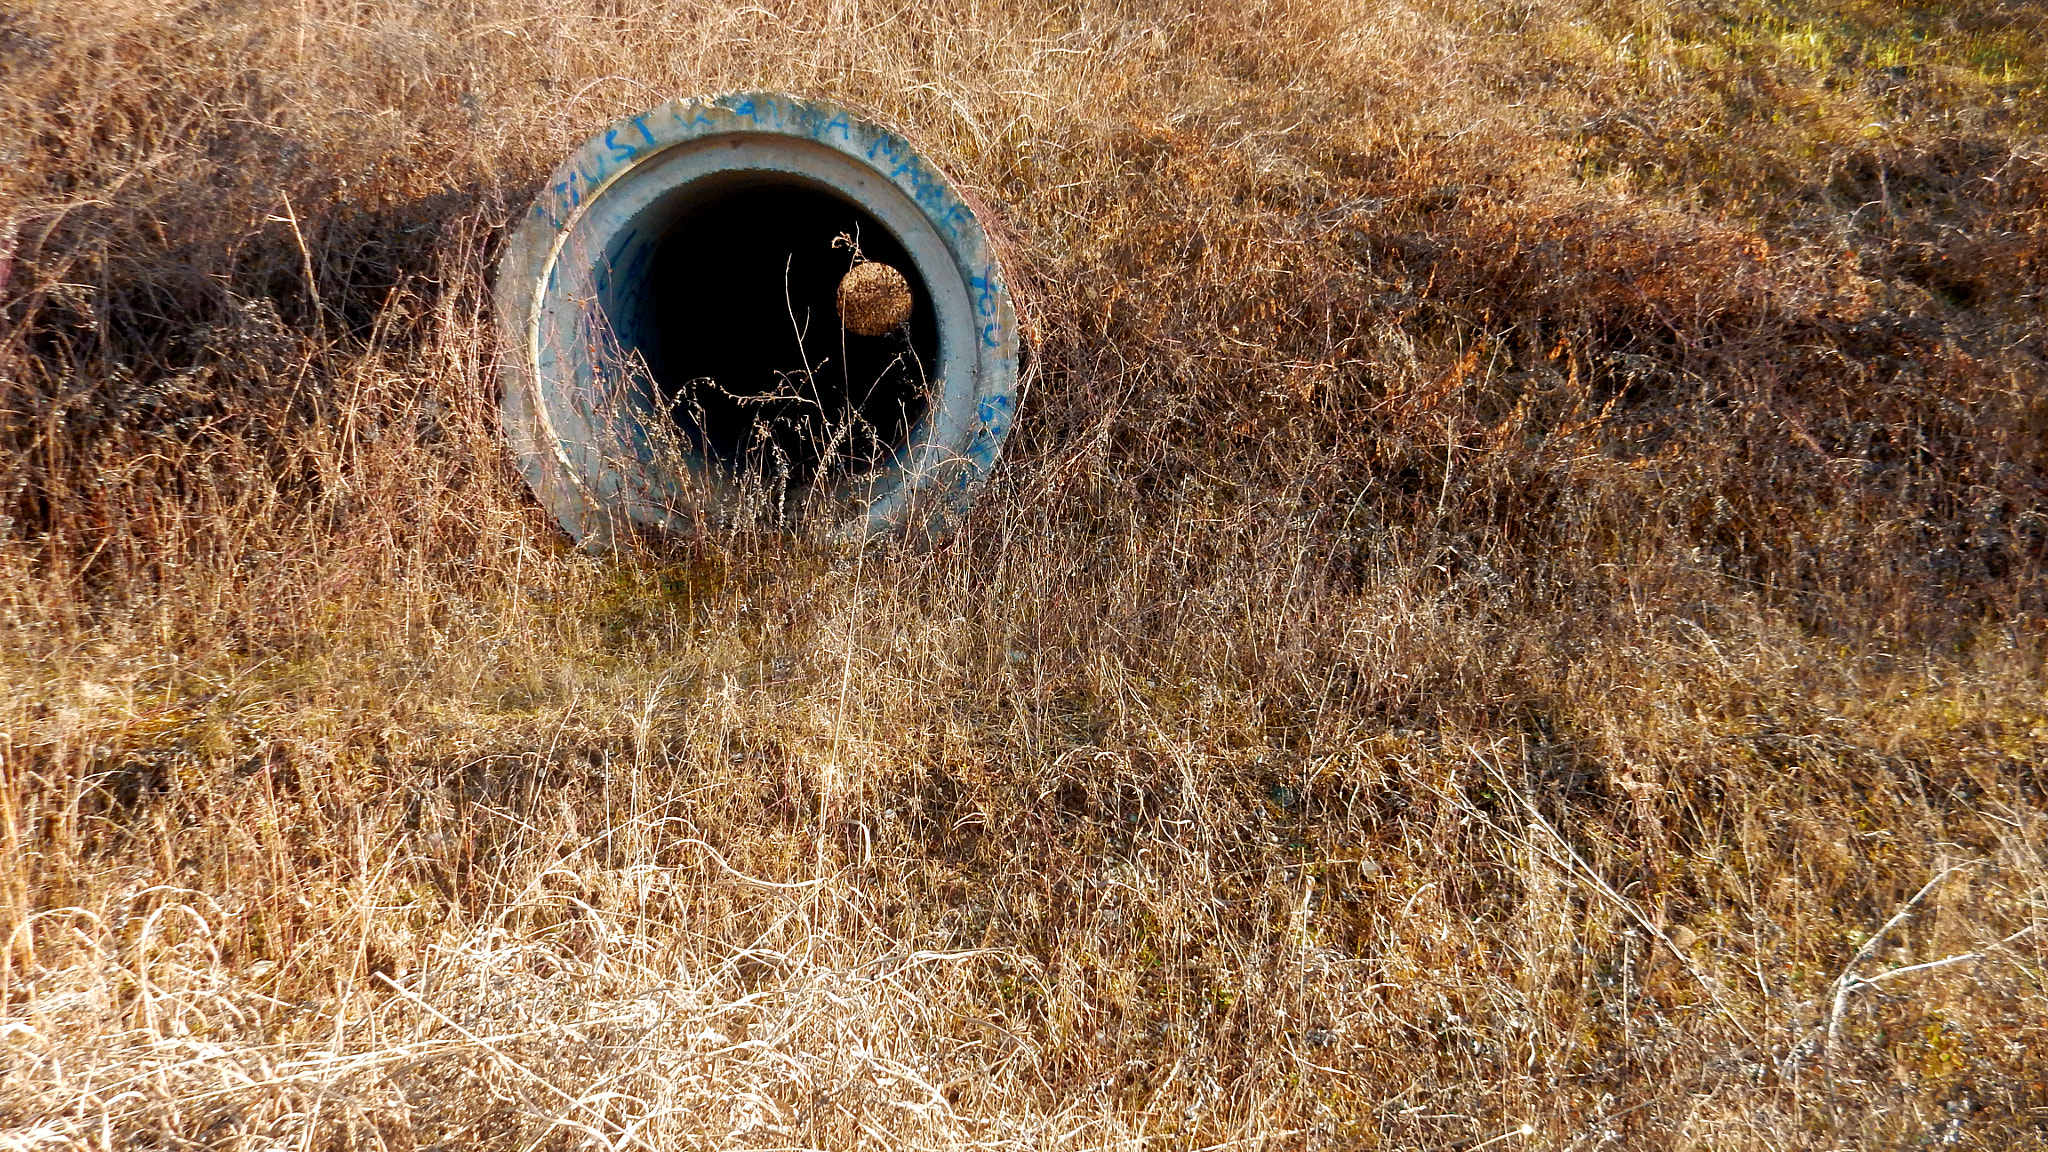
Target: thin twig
[(739, 875), (1590, 875), (1848, 979)]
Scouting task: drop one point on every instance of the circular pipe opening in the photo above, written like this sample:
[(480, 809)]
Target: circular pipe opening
[(740, 331), (672, 349)]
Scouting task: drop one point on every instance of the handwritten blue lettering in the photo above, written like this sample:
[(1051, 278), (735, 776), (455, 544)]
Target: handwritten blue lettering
[(985, 294), (620, 152)]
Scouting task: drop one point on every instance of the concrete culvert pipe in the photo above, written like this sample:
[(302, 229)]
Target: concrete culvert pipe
[(753, 305)]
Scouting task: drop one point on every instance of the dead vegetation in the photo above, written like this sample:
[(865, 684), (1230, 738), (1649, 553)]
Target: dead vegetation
[(1524, 556)]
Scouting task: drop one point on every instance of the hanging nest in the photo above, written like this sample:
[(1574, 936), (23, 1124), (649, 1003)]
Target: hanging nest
[(874, 299)]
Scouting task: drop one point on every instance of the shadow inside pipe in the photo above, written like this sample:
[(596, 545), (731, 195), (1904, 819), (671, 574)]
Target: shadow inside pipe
[(739, 327)]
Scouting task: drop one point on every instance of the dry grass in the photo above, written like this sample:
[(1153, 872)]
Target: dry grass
[(1526, 552)]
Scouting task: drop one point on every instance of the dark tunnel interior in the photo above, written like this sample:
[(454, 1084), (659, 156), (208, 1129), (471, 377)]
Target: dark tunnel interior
[(739, 324)]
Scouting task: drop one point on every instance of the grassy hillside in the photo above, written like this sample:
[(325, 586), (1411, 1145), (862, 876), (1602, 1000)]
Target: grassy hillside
[(1513, 616)]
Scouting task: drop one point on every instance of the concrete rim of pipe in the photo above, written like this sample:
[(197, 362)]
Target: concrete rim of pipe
[(670, 352)]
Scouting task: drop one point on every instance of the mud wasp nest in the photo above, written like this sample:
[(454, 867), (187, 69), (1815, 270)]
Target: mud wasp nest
[(874, 299)]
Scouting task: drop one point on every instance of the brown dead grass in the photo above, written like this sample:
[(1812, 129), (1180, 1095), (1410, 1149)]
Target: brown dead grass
[(1525, 552)]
